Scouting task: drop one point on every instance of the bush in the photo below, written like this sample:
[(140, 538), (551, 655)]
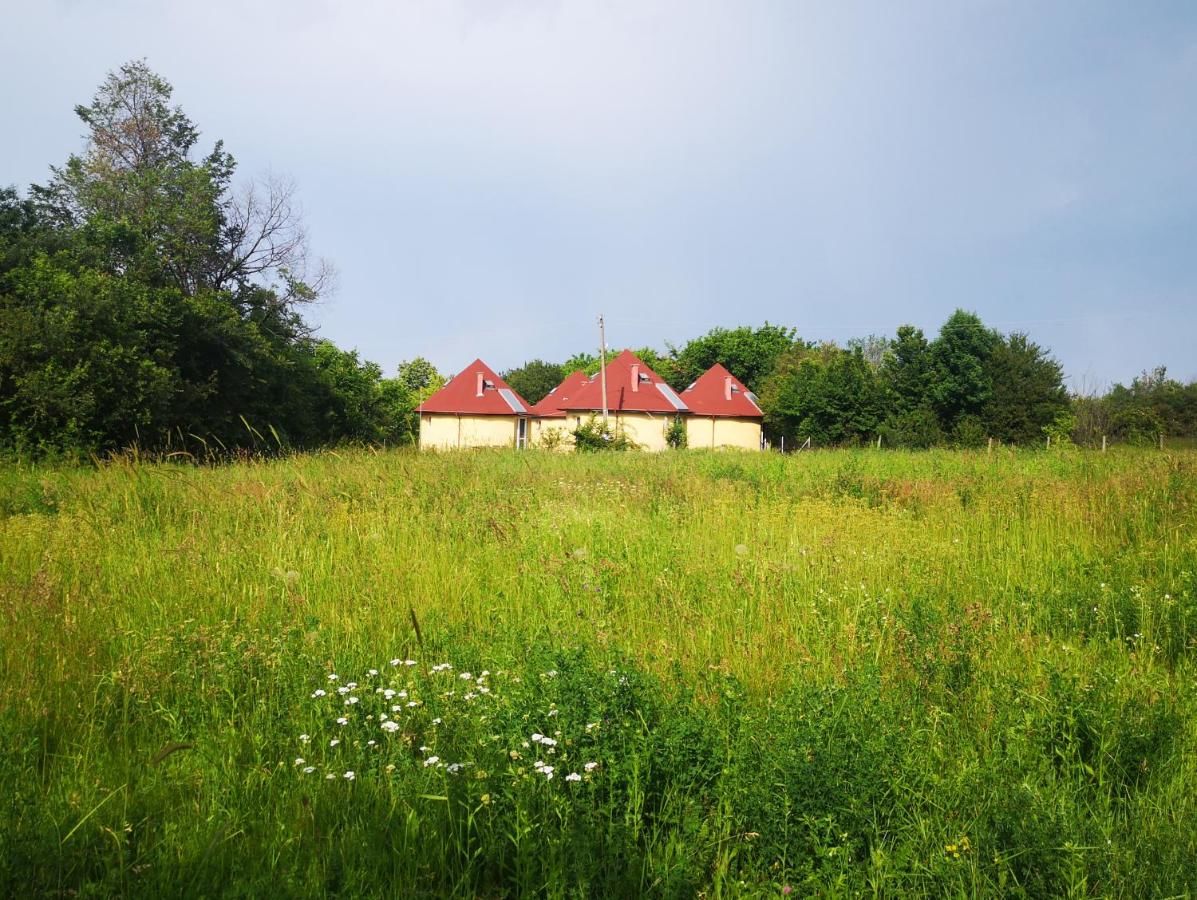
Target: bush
[(594, 435)]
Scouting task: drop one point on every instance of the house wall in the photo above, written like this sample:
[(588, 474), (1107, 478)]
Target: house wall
[(646, 429), (539, 428), (722, 431), (443, 431)]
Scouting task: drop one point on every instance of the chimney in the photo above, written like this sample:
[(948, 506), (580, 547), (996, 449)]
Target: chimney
[(478, 390), (727, 388), (635, 377)]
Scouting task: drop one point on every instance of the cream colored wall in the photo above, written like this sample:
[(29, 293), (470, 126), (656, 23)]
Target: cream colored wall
[(717, 431), (540, 427), (449, 432), (647, 430)]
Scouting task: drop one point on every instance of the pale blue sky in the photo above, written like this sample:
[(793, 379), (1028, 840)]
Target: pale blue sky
[(488, 176)]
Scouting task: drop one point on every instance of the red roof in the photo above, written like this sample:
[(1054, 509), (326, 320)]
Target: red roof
[(477, 391), (631, 387), (718, 392), (551, 404)]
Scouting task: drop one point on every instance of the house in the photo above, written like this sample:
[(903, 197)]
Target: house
[(639, 402), (551, 426), (476, 408), (723, 413)]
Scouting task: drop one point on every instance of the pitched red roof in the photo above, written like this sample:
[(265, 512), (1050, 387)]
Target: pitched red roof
[(718, 392), (631, 387), (476, 391), (550, 406)]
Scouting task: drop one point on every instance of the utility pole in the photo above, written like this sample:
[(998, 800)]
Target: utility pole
[(603, 360)]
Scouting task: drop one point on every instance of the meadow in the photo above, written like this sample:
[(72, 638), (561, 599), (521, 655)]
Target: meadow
[(493, 674)]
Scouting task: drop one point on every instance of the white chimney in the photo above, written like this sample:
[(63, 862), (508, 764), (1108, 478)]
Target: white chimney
[(635, 377), (727, 388), (478, 390)]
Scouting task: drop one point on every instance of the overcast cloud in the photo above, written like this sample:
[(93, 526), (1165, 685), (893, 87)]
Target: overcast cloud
[(489, 176)]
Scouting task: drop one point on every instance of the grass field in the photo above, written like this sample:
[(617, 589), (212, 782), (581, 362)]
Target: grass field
[(500, 674)]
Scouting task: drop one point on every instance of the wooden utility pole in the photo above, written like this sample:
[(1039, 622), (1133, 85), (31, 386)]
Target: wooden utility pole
[(1103, 443), (603, 361)]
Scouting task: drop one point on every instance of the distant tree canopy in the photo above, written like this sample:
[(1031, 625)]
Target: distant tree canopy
[(533, 380)]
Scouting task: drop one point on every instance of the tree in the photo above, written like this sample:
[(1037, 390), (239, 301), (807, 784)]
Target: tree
[(167, 215), (960, 383), (1027, 391), (533, 380), (830, 395), (749, 354)]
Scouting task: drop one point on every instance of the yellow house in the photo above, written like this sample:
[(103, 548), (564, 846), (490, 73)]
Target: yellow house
[(723, 413), (638, 401), (475, 409)]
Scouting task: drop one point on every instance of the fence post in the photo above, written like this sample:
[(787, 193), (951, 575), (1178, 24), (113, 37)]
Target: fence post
[(1103, 443)]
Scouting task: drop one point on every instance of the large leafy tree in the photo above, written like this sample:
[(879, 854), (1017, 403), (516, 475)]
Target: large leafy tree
[(533, 380), (830, 395), (960, 381), (142, 300), (1027, 392), (749, 354)]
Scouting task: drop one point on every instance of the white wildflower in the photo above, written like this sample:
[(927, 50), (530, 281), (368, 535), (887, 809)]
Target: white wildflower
[(332, 676), (390, 727), (319, 692), (304, 738), (590, 766), (299, 760), (342, 721), (308, 770), (349, 776), (431, 761), (573, 776), (334, 742)]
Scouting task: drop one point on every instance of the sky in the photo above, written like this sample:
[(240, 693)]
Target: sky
[(488, 176)]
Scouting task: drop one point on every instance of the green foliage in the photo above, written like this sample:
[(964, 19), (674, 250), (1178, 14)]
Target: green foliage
[(676, 435), (143, 304), (1027, 394), (832, 396), (593, 436), (960, 382), (749, 354), (533, 380)]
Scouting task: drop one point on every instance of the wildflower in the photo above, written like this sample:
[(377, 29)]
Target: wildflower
[(308, 770), (319, 692), (332, 676), (330, 777), (299, 760), (466, 676), (409, 662), (342, 721), (351, 685), (431, 761), (397, 708), (590, 766), (395, 662), (573, 776), (371, 743), (537, 737), (413, 703), (350, 701), (382, 717), (372, 672), (553, 712), (436, 721), (390, 768), (402, 695), (304, 738), (349, 776), (343, 690), (390, 726), (592, 726), (334, 742), (388, 694)]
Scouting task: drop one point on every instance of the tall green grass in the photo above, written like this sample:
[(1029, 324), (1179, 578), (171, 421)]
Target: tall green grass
[(836, 672)]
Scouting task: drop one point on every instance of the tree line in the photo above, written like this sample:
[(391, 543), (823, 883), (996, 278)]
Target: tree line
[(146, 301)]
